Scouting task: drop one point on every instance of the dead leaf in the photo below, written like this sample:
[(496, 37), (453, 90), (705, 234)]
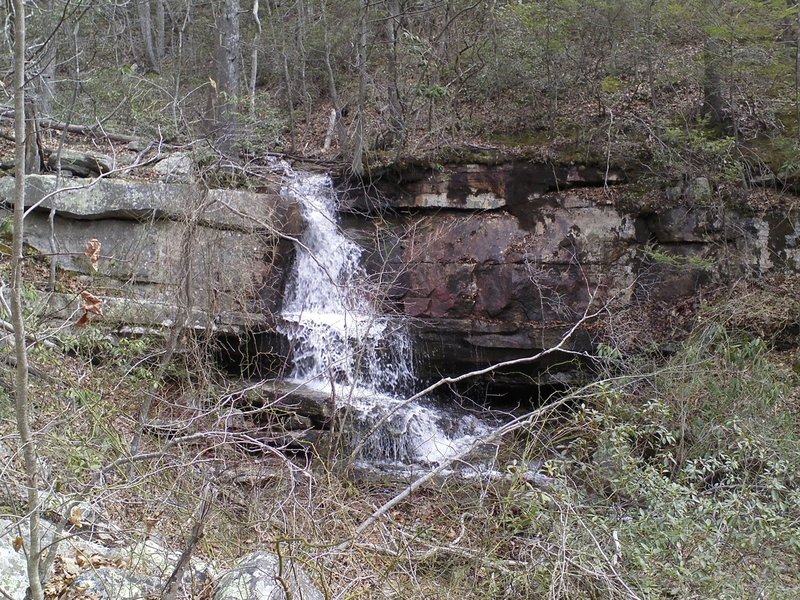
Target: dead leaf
[(213, 84), (18, 543), (76, 516), (91, 303), (93, 252), (70, 567), (83, 321)]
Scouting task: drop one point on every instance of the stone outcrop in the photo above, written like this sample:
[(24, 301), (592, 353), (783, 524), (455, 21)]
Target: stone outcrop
[(483, 186), (492, 263), (80, 164), (231, 243), (115, 571), (489, 261)]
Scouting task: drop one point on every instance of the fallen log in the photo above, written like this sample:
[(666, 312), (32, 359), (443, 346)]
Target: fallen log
[(90, 130)]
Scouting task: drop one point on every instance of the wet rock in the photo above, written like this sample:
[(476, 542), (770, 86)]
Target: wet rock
[(266, 576), (295, 399)]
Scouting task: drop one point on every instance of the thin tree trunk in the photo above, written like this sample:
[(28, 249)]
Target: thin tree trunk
[(228, 75), (713, 102), (357, 164), (146, 25), (286, 75), (300, 35), (336, 118), (21, 406), (797, 65), (46, 81), (254, 59), (649, 41), (160, 32), (393, 91), (33, 155)]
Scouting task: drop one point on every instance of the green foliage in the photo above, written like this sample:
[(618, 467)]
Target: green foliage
[(677, 481), (97, 346), (661, 257), (694, 150), (706, 470)]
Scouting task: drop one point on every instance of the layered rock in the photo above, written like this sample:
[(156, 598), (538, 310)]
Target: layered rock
[(492, 263), (159, 241)]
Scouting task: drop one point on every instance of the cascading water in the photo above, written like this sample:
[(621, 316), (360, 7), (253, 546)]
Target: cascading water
[(343, 345)]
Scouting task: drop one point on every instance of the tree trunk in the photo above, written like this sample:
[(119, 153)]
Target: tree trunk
[(228, 76), (393, 91), (160, 31), (254, 59), (359, 146), (33, 153), (27, 442), (713, 103), (146, 25), (45, 78), (337, 127)]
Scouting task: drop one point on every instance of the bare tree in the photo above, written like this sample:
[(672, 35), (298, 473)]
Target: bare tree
[(21, 404), (254, 58)]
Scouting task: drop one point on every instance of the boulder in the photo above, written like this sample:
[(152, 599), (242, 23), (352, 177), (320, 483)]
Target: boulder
[(111, 583), (176, 168), (299, 402), (699, 190), (13, 578), (266, 576), (80, 164)]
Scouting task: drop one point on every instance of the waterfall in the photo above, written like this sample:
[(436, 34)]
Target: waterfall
[(342, 342), (337, 334)]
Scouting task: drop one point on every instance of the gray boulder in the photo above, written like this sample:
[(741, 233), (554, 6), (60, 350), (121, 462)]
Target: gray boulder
[(80, 164), (176, 168), (264, 576), (107, 583), (13, 578)]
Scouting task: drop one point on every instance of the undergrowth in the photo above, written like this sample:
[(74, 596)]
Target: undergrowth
[(669, 477)]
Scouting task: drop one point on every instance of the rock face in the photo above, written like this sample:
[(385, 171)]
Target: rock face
[(265, 576), (472, 186), (496, 262), (159, 240)]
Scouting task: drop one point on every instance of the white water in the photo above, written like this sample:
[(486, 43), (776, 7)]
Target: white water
[(342, 343)]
